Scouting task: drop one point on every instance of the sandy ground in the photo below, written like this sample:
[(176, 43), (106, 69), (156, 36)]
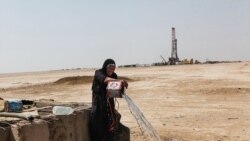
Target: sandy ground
[(209, 102)]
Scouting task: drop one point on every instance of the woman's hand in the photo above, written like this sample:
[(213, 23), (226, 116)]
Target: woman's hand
[(125, 83)]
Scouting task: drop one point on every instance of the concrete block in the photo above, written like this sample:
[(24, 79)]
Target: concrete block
[(4, 134), (72, 127), (35, 131)]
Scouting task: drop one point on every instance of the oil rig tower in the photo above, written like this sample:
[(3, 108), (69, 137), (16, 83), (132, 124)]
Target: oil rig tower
[(174, 57)]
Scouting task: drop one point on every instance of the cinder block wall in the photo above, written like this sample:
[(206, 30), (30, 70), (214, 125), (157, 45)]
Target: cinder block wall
[(56, 128)]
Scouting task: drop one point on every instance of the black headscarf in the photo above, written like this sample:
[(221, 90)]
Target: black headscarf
[(106, 63)]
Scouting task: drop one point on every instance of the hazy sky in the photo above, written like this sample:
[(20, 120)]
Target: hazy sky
[(59, 34)]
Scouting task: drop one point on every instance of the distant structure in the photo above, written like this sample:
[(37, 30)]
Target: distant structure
[(164, 62), (174, 57)]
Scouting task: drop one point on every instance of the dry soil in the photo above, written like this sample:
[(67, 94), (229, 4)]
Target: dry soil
[(204, 102)]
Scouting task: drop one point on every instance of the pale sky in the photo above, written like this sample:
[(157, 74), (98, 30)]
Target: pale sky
[(60, 34)]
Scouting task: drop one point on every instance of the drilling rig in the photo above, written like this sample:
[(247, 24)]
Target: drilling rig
[(174, 57)]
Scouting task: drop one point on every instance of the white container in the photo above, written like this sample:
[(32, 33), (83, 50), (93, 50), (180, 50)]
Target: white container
[(62, 110)]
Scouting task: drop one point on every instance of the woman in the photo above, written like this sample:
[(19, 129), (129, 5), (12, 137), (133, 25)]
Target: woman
[(102, 122)]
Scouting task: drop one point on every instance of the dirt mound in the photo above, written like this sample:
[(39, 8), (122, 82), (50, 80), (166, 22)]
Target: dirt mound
[(55, 86), (73, 80)]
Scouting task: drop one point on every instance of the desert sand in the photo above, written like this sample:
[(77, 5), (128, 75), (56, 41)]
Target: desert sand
[(203, 102)]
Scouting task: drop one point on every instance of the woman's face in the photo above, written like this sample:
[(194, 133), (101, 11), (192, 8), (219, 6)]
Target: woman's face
[(110, 70)]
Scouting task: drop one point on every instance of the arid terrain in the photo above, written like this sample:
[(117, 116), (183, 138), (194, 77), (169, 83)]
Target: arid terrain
[(203, 102)]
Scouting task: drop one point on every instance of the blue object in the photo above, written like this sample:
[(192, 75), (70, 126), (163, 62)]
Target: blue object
[(14, 106)]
